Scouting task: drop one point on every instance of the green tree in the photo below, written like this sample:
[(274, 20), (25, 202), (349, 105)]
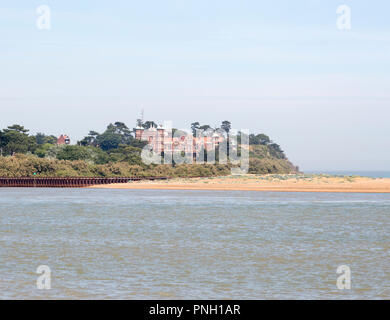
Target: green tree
[(74, 153), (90, 139), (264, 139), (91, 154), (114, 135), (226, 125), (194, 127), (205, 127), (139, 122), (121, 129), (41, 138), (125, 153), (149, 124), (15, 139), (43, 149), (276, 151), (109, 140), (259, 139)]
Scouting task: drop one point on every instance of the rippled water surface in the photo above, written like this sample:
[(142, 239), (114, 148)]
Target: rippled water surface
[(165, 244)]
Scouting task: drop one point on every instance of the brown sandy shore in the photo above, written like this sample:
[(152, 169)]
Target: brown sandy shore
[(280, 183)]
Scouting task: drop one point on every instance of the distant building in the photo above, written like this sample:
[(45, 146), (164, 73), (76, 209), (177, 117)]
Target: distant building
[(63, 139), (161, 140)]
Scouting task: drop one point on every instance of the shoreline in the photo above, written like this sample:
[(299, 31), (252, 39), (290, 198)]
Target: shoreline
[(268, 183)]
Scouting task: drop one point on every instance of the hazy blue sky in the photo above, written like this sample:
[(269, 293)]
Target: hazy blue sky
[(278, 67)]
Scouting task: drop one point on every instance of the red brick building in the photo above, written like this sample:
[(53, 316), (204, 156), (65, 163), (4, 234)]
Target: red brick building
[(63, 139), (161, 140)]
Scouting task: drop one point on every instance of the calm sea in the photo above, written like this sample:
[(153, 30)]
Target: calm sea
[(372, 174), (164, 244)]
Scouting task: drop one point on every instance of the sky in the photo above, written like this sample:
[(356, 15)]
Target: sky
[(279, 67)]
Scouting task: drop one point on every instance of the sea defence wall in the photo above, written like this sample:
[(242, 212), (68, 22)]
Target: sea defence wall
[(42, 182)]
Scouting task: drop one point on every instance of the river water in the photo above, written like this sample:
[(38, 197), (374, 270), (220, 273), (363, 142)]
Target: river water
[(165, 244)]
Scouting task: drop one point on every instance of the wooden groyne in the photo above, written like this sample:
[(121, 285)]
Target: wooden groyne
[(41, 182)]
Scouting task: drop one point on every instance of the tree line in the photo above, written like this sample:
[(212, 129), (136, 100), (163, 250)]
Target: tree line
[(115, 144)]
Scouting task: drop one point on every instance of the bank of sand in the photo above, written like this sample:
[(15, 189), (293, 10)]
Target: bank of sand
[(281, 183)]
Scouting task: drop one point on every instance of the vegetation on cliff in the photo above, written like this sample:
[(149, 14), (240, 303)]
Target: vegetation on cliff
[(115, 152), (21, 165)]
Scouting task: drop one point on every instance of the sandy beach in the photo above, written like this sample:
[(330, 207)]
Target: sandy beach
[(280, 183)]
